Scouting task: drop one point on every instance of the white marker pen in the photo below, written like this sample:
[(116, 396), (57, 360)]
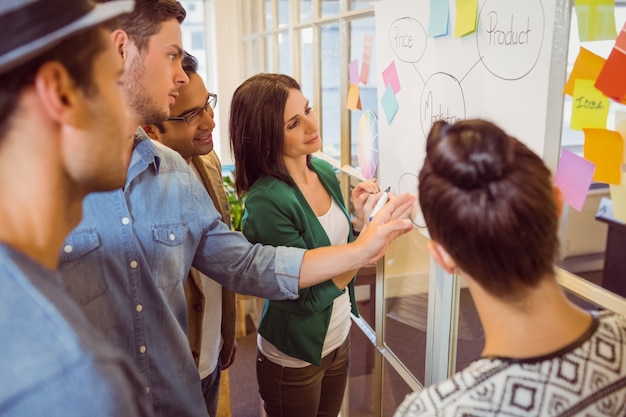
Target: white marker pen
[(380, 203)]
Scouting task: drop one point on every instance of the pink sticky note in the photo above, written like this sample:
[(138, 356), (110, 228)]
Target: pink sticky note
[(353, 69), (390, 77), (573, 177), (367, 58)]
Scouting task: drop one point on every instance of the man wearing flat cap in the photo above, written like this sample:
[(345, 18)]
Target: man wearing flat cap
[(64, 132)]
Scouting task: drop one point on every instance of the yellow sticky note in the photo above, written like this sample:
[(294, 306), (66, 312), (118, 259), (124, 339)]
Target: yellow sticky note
[(618, 197), (596, 20), (587, 67), (590, 107), (605, 148), (466, 13), (354, 98)]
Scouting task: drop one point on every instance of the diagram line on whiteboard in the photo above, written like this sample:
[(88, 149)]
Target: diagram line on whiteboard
[(418, 73), (470, 70)]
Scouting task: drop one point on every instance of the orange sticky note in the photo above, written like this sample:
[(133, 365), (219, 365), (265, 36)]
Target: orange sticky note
[(611, 80), (587, 67), (605, 148), (590, 108), (466, 13), (354, 98)]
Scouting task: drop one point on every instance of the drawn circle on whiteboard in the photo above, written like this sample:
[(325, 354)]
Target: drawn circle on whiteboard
[(367, 144), (442, 99), (408, 39), (509, 36), (408, 184)]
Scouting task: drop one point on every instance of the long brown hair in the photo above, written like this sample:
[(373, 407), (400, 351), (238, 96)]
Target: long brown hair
[(257, 131), (489, 201)]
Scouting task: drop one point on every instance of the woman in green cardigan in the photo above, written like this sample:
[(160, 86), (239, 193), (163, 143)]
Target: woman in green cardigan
[(295, 200)]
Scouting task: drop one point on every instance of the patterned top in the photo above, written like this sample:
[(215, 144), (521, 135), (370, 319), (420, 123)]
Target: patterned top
[(586, 378)]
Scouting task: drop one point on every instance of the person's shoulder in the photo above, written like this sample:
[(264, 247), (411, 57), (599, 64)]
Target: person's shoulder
[(268, 184), (466, 389), (169, 157), (209, 160), (612, 325)]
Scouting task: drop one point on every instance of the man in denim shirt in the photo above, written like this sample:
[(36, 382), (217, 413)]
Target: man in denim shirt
[(63, 134), (126, 262)]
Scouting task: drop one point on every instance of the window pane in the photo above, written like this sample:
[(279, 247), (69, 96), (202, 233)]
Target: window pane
[(306, 64), (330, 91), (361, 4), (255, 59), (269, 54), (394, 390), (197, 40), (369, 100), (407, 266), (284, 56), (306, 10), (256, 15), (268, 15), (330, 7), (283, 13), (194, 33)]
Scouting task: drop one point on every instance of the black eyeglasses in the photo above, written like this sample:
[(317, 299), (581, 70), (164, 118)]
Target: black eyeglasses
[(193, 116)]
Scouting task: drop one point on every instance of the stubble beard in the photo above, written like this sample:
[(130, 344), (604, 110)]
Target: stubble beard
[(138, 98)]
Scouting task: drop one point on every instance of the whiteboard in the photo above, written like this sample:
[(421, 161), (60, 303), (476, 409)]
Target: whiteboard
[(510, 71)]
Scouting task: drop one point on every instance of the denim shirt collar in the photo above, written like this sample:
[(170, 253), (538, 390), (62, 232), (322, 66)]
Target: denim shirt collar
[(144, 155)]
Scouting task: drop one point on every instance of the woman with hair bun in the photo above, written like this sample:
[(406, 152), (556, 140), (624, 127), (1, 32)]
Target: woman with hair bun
[(492, 214)]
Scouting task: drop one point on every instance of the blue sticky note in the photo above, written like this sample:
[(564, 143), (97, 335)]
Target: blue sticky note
[(439, 18), (390, 104)]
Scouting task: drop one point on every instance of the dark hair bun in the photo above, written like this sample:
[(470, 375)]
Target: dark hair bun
[(470, 154)]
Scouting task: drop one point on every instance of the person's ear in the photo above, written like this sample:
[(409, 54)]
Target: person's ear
[(558, 198), (57, 93), (442, 257), (121, 40)]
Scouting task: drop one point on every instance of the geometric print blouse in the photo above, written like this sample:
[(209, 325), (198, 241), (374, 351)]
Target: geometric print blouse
[(586, 378)]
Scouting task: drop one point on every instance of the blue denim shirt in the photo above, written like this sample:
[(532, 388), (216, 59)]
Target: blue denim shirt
[(126, 262), (52, 361)]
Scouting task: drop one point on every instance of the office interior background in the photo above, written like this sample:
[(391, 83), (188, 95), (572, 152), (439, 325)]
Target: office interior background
[(418, 324)]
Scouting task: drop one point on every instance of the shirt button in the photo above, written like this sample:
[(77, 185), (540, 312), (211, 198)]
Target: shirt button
[(139, 307), (142, 349), (147, 390), (125, 220), (172, 237), (133, 264), (68, 249)]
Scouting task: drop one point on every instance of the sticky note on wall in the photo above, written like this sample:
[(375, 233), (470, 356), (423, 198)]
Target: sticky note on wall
[(612, 78), (573, 177), (596, 19), (605, 148), (586, 67), (590, 108)]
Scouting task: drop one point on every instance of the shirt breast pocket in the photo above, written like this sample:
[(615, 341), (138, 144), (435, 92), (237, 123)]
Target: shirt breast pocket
[(81, 266), (168, 262)]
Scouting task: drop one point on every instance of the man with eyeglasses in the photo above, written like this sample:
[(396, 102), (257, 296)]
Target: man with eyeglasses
[(210, 307)]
